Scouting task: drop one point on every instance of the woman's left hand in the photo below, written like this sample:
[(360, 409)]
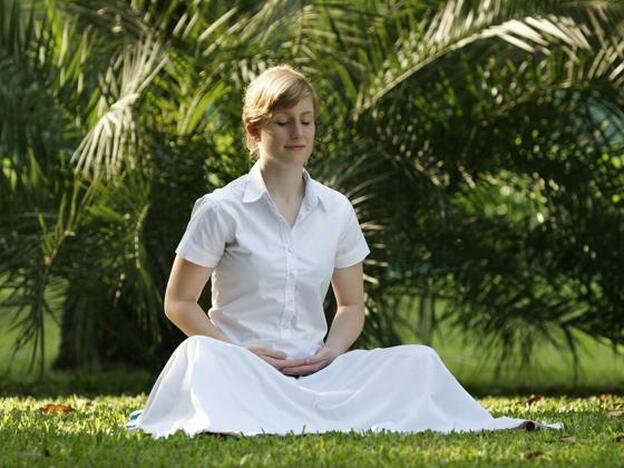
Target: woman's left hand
[(323, 357)]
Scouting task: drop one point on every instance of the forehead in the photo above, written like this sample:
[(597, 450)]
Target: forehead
[(303, 106)]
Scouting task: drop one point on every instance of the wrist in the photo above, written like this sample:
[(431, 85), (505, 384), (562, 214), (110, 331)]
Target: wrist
[(334, 351)]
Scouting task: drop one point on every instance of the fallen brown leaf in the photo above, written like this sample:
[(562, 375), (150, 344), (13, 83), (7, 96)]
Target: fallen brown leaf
[(533, 399), (568, 439), (616, 413), (54, 408)]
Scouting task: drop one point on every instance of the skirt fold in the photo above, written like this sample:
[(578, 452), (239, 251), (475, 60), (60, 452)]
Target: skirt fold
[(212, 386)]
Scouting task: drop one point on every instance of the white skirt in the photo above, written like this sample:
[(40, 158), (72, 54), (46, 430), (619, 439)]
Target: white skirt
[(212, 386)]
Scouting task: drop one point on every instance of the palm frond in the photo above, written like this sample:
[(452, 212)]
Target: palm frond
[(113, 133), (448, 30)]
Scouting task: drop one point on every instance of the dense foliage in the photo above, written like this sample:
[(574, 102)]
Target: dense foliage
[(480, 142)]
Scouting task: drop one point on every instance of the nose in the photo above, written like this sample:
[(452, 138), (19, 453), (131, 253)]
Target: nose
[(297, 129)]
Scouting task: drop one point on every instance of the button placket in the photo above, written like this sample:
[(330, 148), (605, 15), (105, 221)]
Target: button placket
[(289, 306), (286, 234), (286, 237)]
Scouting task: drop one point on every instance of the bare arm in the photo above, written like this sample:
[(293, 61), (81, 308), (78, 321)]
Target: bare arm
[(347, 325), (185, 285), (348, 322)]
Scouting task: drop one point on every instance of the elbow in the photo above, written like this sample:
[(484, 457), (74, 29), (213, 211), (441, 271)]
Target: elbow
[(169, 307), (176, 308), (356, 311)]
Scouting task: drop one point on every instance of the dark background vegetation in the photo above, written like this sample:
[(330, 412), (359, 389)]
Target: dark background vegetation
[(481, 143)]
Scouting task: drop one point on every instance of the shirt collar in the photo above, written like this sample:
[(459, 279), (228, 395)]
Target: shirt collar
[(256, 188)]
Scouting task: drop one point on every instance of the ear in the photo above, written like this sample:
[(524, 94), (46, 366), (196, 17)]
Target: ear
[(253, 131)]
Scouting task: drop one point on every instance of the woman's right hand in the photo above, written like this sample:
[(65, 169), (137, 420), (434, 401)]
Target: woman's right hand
[(277, 359)]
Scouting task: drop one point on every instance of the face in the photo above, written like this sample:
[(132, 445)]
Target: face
[(287, 138)]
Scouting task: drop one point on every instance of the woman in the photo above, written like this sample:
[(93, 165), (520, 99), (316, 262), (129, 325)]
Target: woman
[(272, 241)]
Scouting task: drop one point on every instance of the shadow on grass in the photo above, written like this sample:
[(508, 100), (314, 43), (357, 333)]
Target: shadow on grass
[(84, 383), (479, 391)]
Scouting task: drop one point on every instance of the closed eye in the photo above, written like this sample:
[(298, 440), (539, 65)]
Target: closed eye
[(281, 124)]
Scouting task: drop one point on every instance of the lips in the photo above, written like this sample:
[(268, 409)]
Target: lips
[(295, 148)]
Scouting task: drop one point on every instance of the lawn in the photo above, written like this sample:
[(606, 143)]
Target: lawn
[(92, 432)]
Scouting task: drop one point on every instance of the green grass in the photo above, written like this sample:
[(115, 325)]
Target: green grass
[(19, 367), (551, 369), (94, 432), (94, 435)]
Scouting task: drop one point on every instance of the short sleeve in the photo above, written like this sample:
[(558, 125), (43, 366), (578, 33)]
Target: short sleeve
[(352, 247), (206, 234)]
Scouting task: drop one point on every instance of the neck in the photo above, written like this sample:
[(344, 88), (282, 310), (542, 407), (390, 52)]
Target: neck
[(285, 184)]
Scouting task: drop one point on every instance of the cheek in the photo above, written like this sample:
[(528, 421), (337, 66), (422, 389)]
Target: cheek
[(277, 133), (269, 138)]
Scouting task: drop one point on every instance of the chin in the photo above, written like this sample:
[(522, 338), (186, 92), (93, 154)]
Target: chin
[(290, 160), (297, 158)]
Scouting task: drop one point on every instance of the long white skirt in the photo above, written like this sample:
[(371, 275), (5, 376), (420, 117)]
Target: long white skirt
[(212, 386)]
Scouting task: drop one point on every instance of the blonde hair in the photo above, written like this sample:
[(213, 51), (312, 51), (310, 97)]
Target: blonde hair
[(277, 87)]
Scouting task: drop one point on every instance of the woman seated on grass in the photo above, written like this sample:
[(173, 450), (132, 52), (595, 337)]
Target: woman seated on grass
[(272, 241)]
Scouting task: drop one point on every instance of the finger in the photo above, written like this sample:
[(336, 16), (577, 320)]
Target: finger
[(306, 369), (309, 362), (274, 353), (291, 363), (268, 352), (277, 358), (281, 363), (317, 358), (302, 371)]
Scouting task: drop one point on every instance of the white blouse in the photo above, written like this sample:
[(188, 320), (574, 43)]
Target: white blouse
[(270, 280)]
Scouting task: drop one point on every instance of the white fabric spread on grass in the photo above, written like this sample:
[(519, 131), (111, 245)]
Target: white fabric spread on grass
[(212, 386), (268, 287)]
